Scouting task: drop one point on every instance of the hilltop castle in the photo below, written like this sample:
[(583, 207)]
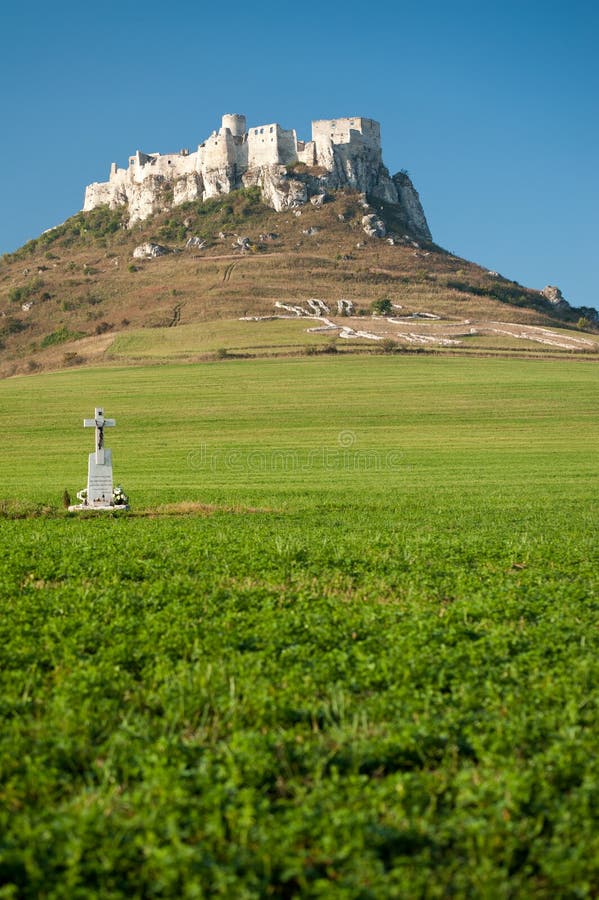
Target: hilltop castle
[(343, 153)]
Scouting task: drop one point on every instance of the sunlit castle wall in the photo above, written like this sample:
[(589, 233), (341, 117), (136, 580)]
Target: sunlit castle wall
[(218, 151), (169, 165), (356, 130), (271, 145)]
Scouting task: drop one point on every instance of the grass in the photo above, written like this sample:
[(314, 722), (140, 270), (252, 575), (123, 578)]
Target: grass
[(349, 649), (165, 414), (247, 338), (289, 336)]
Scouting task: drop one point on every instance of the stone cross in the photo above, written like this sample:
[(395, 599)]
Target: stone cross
[(99, 423), (99, 469)]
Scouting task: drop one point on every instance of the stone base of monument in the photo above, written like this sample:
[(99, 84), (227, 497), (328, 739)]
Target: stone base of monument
[(90, 501), (96, 507)]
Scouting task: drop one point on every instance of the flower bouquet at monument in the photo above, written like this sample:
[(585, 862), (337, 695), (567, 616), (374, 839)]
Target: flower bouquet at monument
[(119, 497)]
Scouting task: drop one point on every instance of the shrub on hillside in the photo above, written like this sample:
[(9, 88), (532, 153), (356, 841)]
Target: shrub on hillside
[(11, 325), (381, 307), (60, 336)]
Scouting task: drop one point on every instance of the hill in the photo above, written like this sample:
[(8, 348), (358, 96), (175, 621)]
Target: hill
[(77, 294)]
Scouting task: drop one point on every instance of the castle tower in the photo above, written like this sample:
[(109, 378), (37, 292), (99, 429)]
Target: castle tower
[(235, 123)]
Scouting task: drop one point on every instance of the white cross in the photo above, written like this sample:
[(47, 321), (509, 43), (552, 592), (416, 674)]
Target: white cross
[(99, 423)]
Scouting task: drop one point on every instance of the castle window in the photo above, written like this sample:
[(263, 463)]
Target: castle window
[(271, 129), (262, 131)]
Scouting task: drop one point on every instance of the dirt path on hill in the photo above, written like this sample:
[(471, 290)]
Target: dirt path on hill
[(236, 256), (228, 272), (176, 320)]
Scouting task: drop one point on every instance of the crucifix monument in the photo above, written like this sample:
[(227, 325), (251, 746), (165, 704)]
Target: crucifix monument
[(99, 469), (99, 493)]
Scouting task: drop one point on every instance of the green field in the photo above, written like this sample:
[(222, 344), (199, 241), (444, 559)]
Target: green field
[(280, 337), (237, 337), (344, 645)]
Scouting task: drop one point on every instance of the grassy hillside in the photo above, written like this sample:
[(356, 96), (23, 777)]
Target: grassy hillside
[(344, 644), (67, 294)]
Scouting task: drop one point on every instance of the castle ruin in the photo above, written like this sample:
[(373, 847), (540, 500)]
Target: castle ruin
[(343, 153)]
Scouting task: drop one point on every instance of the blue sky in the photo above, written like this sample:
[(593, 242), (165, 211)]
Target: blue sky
[(492, 108)]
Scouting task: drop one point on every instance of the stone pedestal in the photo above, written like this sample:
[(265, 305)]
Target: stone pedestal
[(99, 480)]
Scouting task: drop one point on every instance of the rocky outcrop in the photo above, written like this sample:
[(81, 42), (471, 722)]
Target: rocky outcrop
[(219, 181), (356, 168), (187, 188), (150, 251), (148, 198), (279, 189), (373, 226), (196, 243), (409, 201), (554, 295)]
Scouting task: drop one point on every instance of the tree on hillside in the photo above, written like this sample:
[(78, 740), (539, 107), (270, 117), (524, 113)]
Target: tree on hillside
[(381, 307)]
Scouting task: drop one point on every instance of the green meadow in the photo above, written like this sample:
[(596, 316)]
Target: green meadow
[(344, 644)]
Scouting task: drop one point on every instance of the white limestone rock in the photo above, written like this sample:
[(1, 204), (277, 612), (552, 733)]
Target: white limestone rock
[(218, 181), (150, 251), (196, 243), (106, 194), (554, 295), (147, 198), (188, 188), (373, 226), (356, 167), (318, 307), (279, 189), (409, 201)]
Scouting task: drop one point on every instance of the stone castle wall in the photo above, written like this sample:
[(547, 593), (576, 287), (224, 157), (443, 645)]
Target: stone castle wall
[(347, 150), (217, 152), (271, 145), (348, 131)]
